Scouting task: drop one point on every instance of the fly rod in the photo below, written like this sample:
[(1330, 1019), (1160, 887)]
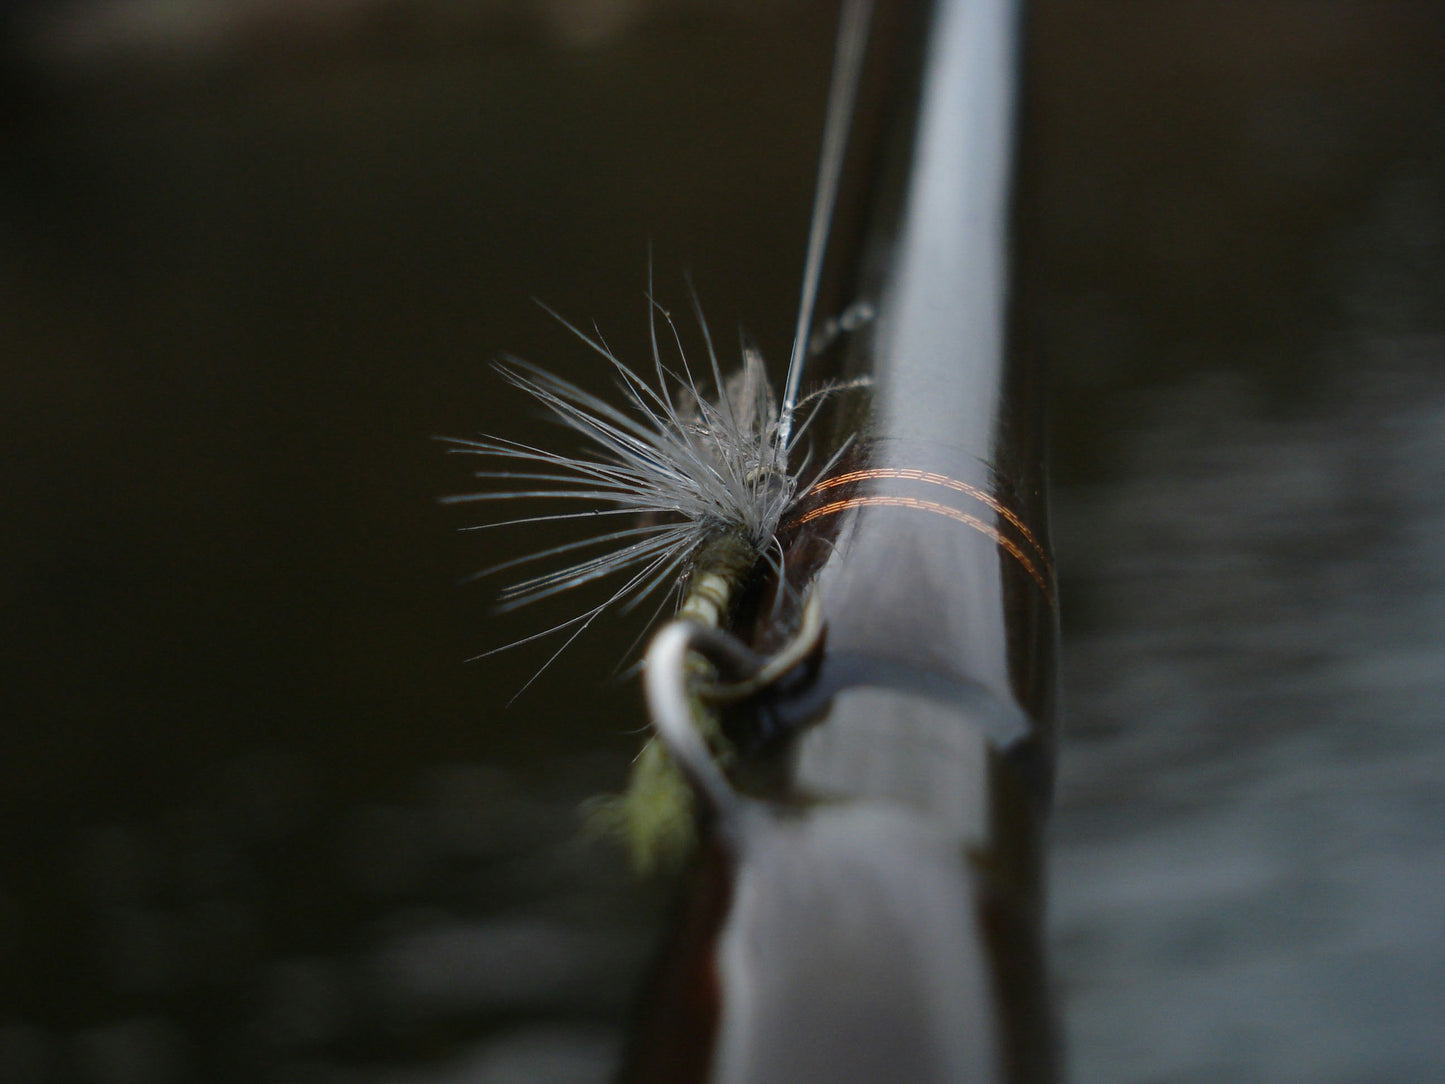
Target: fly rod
[(868, 904), (851, 711)]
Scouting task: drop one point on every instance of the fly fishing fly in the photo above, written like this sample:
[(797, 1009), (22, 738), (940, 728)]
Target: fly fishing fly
[(702, 472), (702, 479)]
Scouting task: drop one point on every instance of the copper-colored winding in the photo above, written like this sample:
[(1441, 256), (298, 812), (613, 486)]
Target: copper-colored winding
[(913, 475), (1007, 544)]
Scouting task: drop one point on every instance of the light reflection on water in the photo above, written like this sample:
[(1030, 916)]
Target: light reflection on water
[(1249, 859)]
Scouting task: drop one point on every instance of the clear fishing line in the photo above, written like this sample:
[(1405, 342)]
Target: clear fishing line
[(692, 473)]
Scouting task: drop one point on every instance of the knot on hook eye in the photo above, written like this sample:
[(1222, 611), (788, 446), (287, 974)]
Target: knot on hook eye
[(676, 701)]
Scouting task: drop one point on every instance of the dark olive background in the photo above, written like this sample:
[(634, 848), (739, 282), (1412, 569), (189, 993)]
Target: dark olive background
[(260, 818)]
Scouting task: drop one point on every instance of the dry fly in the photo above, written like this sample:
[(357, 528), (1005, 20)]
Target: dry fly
[(693, 473), (684, 470)]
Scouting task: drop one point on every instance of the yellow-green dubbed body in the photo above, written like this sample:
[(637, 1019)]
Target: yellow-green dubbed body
[(654, 817)]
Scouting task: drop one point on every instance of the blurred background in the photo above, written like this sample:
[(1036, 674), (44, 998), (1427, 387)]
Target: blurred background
[(260, 820)]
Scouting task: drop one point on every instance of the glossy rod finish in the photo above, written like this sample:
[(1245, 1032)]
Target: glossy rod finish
[(873, 910)]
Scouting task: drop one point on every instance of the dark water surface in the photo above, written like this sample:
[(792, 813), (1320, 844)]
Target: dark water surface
[(260, 821)]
